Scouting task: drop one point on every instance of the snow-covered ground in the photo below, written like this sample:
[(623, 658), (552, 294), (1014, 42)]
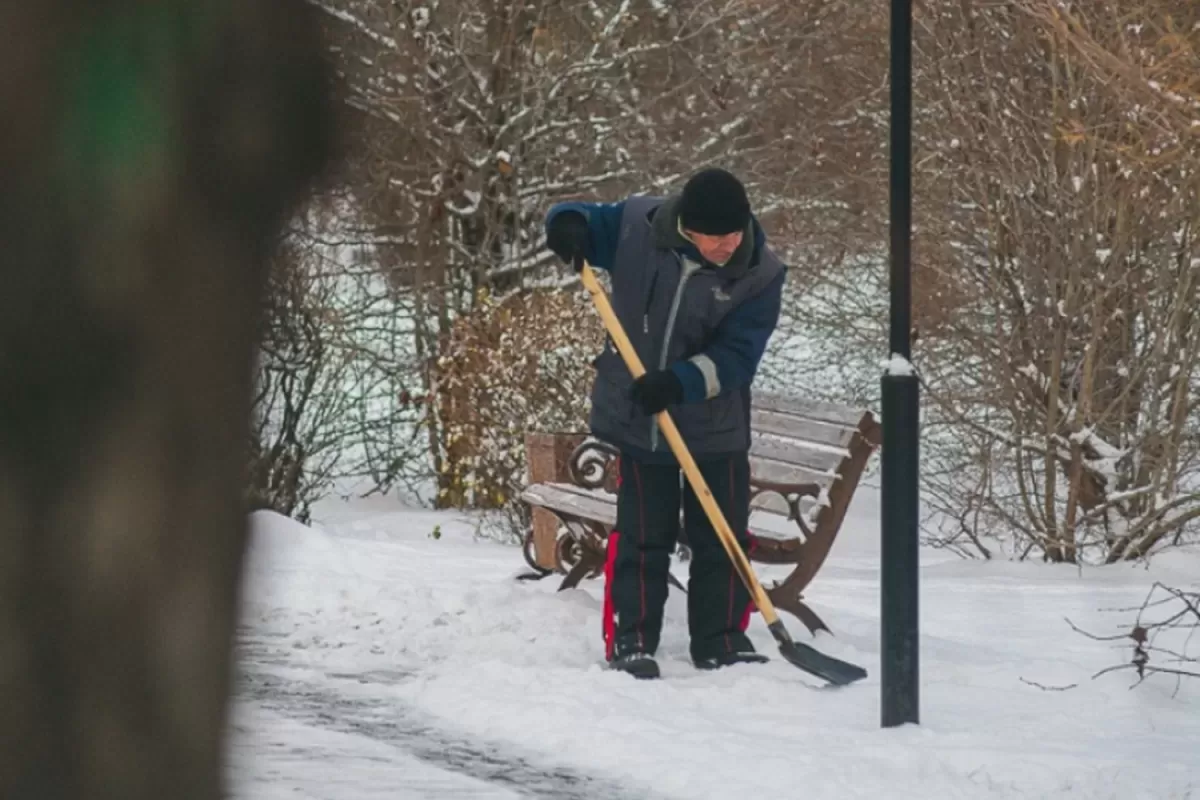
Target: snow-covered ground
[(380, 661)]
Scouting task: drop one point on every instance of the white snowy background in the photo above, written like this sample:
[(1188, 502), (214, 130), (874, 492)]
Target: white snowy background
[(390, 652)]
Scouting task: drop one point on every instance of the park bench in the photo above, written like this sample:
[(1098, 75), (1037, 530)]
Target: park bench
[(806, 459)]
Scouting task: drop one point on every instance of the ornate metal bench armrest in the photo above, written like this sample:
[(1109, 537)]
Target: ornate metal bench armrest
[(592, 465), (791, 494)]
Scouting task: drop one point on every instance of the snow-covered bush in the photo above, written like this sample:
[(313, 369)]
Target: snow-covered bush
[(518, 364)]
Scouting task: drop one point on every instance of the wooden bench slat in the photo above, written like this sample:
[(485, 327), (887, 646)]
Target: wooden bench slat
[(601, 506), (778, 472), (760, 468), (805, 430), (807, 409), (771, 503), (593, 494), (567, 499), (795, 453)]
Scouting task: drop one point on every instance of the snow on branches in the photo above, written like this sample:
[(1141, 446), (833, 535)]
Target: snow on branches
[(513, 366), (1065, 373)]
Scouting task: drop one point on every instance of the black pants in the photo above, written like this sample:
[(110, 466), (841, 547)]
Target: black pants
[(639, 553)]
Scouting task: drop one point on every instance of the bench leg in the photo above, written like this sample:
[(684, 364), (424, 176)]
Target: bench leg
[(527, 551), (789, 600), (577, 574), (588, 548), (593, 564), (590, 564)]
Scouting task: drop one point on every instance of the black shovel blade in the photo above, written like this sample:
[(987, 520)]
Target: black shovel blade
[(827, 668), (832, 670)]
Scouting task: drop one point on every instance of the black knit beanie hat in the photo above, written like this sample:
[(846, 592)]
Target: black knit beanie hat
[(714, 202)]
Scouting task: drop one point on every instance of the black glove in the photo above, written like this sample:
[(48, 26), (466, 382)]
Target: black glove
[(654, 391), (567, 236)]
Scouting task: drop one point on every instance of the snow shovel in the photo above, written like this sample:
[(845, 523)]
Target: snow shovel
[(832, 670)]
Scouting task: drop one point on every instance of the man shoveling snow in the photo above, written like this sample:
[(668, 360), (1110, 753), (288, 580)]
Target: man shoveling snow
[(698, 292)]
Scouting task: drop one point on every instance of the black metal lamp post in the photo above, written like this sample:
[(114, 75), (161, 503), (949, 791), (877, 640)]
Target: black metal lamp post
[(901, 411)]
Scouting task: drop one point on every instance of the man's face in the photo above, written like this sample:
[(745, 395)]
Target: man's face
[(717, 249)]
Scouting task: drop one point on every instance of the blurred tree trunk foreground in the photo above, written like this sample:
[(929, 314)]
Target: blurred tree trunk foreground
[(149, 153)]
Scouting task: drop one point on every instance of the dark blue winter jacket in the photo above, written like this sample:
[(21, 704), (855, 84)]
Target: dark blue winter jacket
[(709, 324)]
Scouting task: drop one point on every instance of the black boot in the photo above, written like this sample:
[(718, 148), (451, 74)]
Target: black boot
[(639, 665), (729, 659)]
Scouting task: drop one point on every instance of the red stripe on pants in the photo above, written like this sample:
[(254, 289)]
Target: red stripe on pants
[(745, 623), (609, 620), (729, 623), (749, 609)]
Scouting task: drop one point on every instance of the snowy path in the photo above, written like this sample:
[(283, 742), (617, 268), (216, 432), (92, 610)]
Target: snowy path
[(380, 660), (388, 749)]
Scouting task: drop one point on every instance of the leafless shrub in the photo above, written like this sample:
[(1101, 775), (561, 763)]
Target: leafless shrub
[(1060, 236), (337, 399), (1163, 635)]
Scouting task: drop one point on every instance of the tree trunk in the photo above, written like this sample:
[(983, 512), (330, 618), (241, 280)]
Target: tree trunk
[(151, 151)]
